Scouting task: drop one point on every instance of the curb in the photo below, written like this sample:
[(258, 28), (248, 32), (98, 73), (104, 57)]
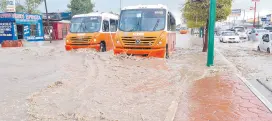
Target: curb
[(170, 116), (172, 110), (268, 88), (248, 84)]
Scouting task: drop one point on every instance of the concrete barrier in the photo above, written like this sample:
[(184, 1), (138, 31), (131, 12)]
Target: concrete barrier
[(12, 43)]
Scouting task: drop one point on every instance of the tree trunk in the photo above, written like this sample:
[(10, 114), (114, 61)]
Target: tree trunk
[(205, 39)]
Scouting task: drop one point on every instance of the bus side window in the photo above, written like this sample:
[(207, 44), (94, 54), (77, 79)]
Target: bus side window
[(113, 25), (168, 22), (171, 23), (117, 23), (105, 26)]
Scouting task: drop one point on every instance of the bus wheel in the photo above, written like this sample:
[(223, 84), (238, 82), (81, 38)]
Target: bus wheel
[(259, 49), (268, 50), (103, 47), (167, 52)]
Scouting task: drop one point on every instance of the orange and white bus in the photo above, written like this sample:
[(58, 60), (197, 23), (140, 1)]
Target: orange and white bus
[(146, 30), (93, 30)]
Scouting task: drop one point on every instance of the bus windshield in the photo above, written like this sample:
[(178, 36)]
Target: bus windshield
[(85, 24), (142, 20)]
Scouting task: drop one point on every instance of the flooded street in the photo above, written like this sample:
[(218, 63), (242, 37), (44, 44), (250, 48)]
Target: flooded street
[(47, 83), (252, 64)]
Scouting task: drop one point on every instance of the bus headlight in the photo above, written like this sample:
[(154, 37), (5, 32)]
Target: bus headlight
[(117, 41), (161, 39), (66, 40), (160, 42)]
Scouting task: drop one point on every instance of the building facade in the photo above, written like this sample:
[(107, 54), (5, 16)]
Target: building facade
[(21, 26)]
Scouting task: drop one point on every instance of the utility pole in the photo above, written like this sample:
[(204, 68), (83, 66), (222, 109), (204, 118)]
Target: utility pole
[(47, 20), (120, 5), (254, 21), (258, 19), (210, 58), (244, 16)]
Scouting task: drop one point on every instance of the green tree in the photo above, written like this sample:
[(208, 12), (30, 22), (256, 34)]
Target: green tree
[(20, 8), (30, 6), (3, 4), (80, 6), (196, 14)]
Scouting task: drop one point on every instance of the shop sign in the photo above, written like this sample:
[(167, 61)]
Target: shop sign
[(11, 7), (20, 16), (5, 29)]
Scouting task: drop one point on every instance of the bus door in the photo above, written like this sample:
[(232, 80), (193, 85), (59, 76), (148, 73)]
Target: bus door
[(171, 28), (105, 34), (113, 29)]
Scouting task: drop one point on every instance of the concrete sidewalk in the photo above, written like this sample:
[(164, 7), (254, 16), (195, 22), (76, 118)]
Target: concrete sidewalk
[(221, 95), (221, 98)]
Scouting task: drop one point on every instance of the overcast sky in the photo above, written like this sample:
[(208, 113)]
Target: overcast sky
[(264, 7)]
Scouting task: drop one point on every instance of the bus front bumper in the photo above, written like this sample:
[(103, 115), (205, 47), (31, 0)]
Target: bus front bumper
[(160, 53), (71, 47)]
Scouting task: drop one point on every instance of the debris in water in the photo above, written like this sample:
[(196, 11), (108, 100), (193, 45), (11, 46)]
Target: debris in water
[(56, 84)]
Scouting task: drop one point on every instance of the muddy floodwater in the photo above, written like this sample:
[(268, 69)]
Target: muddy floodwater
[(48, 83)]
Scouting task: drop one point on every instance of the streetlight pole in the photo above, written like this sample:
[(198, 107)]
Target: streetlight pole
[(244, 16), (47, 20), (120, 5), (254, 21), (258, 19), (210, 58)]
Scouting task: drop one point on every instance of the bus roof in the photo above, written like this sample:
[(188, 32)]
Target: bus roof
[(109, 15), (146, 7)]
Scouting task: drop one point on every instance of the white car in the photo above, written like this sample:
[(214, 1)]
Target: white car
[(257, 34), (243, 36), (229, 36), (266, 43), (241, 31)]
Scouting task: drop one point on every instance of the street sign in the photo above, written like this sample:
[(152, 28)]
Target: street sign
[(255, 0), (268, 18), (251, 8), (11, 7), (236, 12), (263, 19)]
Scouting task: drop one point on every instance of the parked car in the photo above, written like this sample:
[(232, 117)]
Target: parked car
[(229, 36), (266, 43), (239, 29), (243, 36), (256, 34)]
